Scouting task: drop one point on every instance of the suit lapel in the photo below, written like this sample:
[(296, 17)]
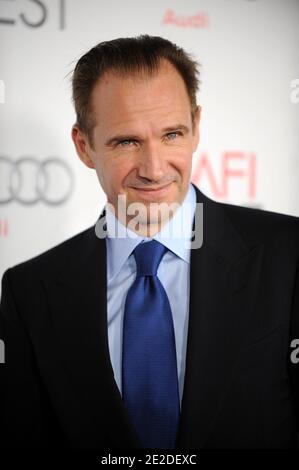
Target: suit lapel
[(78, 305), (224, 275)]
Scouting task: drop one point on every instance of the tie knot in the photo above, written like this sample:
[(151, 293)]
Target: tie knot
[(148, 256)]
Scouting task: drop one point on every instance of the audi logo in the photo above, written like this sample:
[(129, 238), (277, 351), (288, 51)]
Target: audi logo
[(28, 180)]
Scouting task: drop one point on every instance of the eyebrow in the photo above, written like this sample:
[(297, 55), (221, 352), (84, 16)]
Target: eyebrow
[(118, 138)]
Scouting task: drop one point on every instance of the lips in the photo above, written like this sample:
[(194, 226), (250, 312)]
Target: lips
[(153, 189), (162, 190)]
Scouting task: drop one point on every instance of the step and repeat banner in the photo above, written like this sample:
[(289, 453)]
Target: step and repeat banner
[(249, 133)]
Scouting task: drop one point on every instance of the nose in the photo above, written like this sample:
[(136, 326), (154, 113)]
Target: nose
[(151, 163)]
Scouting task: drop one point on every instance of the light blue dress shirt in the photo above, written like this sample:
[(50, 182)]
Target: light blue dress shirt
[(173, 272)]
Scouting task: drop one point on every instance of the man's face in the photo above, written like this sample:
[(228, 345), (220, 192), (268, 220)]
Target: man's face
[(143, 137)]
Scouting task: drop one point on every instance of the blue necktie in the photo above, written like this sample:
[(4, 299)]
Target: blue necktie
[(149, 367)]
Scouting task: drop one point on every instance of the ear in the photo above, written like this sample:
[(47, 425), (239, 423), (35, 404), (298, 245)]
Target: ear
[(82, 146), (195, 129)]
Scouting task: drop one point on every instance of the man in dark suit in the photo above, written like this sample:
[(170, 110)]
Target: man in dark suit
[(238, 383)]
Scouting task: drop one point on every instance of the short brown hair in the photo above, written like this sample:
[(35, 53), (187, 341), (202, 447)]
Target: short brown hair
[(128, 56)]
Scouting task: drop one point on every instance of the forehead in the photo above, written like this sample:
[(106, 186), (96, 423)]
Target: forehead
[(117, 99)]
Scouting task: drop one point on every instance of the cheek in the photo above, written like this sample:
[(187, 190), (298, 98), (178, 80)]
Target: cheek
[(116, 173), (183, 160)]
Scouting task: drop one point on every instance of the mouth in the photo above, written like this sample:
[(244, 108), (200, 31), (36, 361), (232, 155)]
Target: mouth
[(153, 191)]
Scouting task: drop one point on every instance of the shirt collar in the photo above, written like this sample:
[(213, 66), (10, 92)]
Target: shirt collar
[(174, 235)]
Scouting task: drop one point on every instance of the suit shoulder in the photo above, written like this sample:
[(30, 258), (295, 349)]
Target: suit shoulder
[(251, 218), (259, 224), (53, 259)]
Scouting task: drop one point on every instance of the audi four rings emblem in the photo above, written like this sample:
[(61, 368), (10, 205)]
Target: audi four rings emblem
[(29, 180)]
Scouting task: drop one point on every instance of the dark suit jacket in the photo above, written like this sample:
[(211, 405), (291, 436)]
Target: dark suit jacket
[(241, 389)]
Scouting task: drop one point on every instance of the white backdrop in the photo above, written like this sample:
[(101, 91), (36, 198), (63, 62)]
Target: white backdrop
[(248, 153)]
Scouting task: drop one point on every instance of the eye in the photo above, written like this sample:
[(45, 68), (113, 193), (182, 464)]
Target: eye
[(173, 135), (125, 143)]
